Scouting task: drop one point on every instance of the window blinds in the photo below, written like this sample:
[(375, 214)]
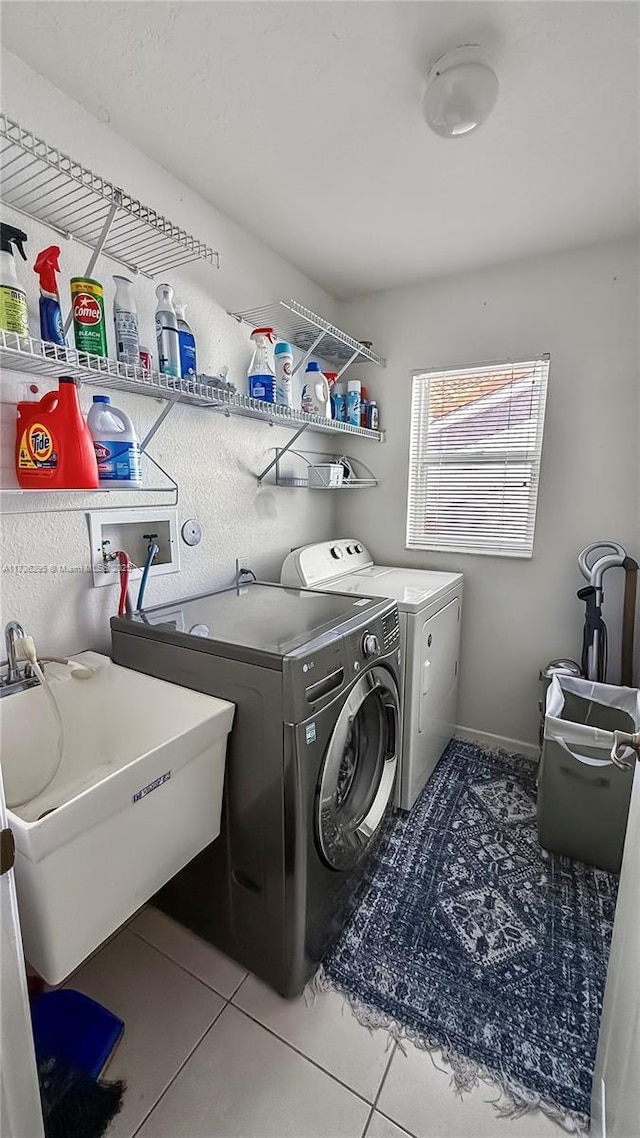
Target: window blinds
[(474, 458)]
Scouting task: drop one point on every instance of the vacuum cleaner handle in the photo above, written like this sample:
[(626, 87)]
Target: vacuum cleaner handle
[(583, 562)]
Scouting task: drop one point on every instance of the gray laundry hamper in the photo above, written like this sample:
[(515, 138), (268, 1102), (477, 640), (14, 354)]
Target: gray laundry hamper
[(583, 797)]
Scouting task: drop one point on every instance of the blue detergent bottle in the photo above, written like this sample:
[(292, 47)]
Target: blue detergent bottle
[(261, 376), (187, 340)]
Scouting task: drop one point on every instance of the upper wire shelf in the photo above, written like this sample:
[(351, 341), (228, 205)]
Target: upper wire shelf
[(43, 183), (41, 358), (310, 332)]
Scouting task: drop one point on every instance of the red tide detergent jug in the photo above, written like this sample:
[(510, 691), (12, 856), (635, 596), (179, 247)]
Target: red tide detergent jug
[(54, 448)]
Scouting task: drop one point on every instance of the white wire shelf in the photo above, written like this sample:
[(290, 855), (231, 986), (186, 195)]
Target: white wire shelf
[(314, 335), (40, 358), (356, 476), (41, 182)]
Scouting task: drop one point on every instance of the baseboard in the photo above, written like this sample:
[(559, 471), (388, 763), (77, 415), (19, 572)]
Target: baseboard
[(499, 742)]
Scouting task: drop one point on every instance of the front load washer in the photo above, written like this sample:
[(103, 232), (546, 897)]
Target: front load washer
[(311, 761), (430, 605)]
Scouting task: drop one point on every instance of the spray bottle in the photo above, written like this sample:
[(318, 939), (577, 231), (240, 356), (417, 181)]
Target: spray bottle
[(167, 332), (46, 266), (261, 375), (125, 319), (13, 298)]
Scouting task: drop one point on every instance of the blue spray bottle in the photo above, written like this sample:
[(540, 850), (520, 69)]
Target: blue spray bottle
[(46, 266)]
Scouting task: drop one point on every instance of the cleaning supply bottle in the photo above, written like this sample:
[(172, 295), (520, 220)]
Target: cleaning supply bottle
[(167, 332), (46, 265), (13, 298), (340, 403), (54, 448), (283, 354), (89, 327), (125, 319), (116, 444), (332, 378), (315, 393), (364, 404), (261, 376), (187, 342), (353, 402)]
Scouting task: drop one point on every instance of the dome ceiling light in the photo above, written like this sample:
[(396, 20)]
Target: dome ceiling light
[(462, 89)]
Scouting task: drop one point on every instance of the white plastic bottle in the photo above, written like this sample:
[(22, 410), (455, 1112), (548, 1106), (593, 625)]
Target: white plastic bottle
[(116, 444), (167, 332), (316, 399), (283, 356), (125, 319)]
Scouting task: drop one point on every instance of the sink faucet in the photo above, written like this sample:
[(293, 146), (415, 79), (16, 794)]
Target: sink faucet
[(12, 632)]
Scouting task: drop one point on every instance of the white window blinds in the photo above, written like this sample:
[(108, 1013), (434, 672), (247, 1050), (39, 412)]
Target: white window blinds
[(474, 460)]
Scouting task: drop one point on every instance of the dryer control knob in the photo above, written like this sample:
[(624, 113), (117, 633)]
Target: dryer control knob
[(370, 644), (336, 552), (358, 548)]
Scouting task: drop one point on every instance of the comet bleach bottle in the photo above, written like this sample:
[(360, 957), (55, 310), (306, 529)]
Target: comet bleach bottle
[(13, 298), (89, 328)]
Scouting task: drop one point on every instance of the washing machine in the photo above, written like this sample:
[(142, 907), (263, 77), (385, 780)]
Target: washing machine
[(430, 605), (311, 761)]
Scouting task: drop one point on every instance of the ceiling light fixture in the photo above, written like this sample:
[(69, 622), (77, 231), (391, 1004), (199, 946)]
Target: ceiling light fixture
[(462, 89)]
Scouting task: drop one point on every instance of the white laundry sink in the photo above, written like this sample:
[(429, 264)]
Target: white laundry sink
[(137, 796)]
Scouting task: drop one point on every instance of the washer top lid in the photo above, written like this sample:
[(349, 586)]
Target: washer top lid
[(412, 589), (260, 620)]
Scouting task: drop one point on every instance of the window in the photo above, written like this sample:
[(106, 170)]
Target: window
[(474, 459)]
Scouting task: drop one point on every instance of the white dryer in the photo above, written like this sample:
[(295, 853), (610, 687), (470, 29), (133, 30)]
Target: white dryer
[(430, 606)]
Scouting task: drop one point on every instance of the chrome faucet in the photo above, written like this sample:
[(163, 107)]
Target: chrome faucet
[(12, 631), (16, 678)]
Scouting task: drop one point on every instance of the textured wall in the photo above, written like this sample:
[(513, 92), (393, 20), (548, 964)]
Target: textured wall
[(581, 307), (212, 458)]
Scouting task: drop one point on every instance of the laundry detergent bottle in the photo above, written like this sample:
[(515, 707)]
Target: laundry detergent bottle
[(54, 448), (261, 376), (316, 399), (116, 445)]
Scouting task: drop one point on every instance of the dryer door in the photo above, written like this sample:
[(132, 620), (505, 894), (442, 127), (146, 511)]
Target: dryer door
[(358, 773)]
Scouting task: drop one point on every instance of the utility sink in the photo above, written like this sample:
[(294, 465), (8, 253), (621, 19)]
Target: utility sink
[(137, 796)]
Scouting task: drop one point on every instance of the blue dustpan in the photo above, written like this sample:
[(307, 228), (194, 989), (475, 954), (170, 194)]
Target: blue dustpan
[(74, 1030)]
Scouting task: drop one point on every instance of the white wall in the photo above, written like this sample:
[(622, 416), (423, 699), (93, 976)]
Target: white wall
[(212, 458), (582, 307)]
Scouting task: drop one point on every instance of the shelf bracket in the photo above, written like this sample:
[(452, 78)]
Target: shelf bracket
[(280, 452), (168, 407), (99, 246), (348, 363), (309, 352)]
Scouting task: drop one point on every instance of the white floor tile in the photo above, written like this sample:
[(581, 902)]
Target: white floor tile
[(420, 1098), (165, 1012), (381, 1127), (188, 950), (242, 1082), (325, 1031)]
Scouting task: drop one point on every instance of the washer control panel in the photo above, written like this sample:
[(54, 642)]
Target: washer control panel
[(324, 561)]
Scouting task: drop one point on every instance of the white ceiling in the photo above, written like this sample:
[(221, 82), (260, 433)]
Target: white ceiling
[(302, 121)]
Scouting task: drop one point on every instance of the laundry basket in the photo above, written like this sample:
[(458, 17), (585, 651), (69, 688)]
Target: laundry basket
[(583, 797)]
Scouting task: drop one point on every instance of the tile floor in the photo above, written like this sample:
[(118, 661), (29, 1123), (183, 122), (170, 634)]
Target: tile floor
[(210, 1052)]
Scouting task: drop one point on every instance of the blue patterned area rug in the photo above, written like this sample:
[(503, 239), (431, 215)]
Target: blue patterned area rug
[(471, 938)]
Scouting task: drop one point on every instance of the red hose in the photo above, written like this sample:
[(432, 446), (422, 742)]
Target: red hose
[(124, 604)]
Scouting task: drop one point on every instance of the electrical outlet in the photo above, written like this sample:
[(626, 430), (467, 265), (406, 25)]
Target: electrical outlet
[(129, 530), (242, 566)]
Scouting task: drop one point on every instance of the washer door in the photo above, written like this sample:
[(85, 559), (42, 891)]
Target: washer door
[(359, 769)]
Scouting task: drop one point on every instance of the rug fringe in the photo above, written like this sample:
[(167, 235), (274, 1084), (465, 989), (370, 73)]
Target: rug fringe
[(513, 1100)]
